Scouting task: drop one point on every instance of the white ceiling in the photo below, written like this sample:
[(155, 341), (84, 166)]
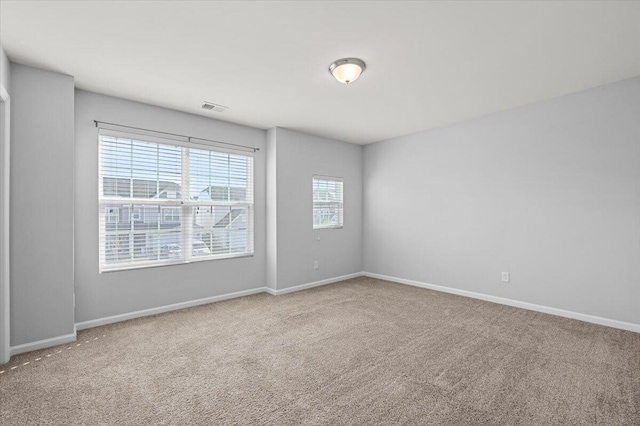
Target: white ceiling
[(428, 64)]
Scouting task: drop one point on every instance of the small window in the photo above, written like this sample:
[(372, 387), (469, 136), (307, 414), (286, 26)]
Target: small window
[(170, 214), (138, 214), (327, 202), (112, 214)]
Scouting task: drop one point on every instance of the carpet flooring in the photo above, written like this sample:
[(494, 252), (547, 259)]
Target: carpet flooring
[(362, 351)]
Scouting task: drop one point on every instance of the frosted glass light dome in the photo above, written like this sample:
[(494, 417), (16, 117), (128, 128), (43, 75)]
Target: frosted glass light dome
[(347, 70)]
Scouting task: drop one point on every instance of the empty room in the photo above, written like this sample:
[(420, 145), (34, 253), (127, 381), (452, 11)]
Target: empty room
[(319, 213)]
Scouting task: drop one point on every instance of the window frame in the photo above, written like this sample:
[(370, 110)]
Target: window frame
[(187, 206), (139, 212), (315, 178), (174, 211)]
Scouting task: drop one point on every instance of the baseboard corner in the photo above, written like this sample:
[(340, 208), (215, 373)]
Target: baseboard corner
[(317, 283), (43, 344)]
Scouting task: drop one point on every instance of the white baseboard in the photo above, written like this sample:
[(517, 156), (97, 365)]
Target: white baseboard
[(167, 308), (313, 284), (60, 340), (41, 344), (54, 341), (515, 303), (153, 311)]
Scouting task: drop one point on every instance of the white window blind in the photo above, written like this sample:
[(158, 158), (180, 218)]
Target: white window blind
[(328, 211), (167, 202)]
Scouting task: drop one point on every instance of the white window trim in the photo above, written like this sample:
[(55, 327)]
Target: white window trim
[(185, 203)]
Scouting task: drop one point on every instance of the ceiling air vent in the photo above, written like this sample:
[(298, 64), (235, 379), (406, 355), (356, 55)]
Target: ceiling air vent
[(210, 106)]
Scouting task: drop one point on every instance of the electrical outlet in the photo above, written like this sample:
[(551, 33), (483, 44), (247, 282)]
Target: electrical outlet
[(316, 264), (505, 277)]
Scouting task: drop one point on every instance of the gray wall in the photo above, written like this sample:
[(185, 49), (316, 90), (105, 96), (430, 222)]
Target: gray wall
[(549, 192), (272, 220), (5, 332), (102, 295), (5, 69), (42, 144), (298, 157)]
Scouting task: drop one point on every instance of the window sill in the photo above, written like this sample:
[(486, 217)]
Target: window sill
[(141, 265)]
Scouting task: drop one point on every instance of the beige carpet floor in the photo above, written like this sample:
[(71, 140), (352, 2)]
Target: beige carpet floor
[(362, 351)]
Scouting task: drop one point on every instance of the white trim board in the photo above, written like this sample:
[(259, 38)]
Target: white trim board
[(173, 307), (167, 308), (60, 340), (313, 284), (54, 341), (41, 344), (515, 303), (5, 153)]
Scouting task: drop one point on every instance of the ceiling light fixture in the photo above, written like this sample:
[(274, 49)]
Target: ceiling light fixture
[(347, 70)]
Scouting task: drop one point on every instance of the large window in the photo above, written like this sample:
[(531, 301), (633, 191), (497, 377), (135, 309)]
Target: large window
[(166, 202), (327, 202)]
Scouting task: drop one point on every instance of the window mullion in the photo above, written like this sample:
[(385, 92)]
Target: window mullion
[(131, 197), (229, 178), (131, 234), (102, 213), (249, 236), (159, 214), (186, 212)]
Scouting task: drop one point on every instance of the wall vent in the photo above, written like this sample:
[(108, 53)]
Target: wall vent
[(210, 106)]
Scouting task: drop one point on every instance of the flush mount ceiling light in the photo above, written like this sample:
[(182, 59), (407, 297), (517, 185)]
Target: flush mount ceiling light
[(347, 70)]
